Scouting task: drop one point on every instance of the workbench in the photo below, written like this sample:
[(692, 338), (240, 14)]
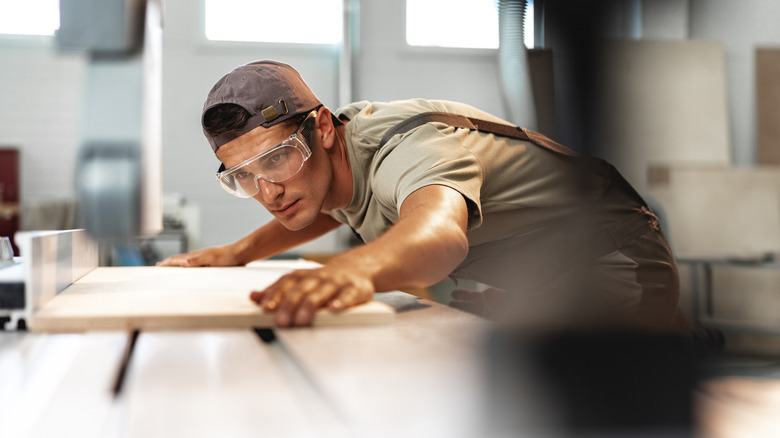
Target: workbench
[(419, 376), (429, 371), (416, 372)]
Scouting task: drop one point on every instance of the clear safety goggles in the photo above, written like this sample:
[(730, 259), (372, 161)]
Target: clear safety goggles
[(275, 165)]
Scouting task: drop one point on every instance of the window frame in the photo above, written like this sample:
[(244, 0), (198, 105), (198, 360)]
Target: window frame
[(449, 50), (238, 45), (446, 50)]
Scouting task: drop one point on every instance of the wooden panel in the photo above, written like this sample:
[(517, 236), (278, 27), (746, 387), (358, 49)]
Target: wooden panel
[(661, 101), (768, 105), (718, 211), (157, 298)]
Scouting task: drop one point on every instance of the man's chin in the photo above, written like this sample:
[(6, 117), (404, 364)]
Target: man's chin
[(295, 224)]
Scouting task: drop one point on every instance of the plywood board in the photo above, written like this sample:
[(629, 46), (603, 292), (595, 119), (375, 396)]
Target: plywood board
[(661, 101), (768, 105), (717, 211), (157, 298)]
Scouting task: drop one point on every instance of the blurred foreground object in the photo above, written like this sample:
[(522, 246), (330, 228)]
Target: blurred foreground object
[(594, 382)]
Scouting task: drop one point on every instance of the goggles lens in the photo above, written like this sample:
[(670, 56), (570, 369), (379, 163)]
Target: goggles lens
[(277, 164)]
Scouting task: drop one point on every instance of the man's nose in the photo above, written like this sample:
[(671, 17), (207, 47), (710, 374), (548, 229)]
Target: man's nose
[(268, 190)]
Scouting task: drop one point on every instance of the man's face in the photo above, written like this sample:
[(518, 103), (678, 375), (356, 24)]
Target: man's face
[(297, 201)]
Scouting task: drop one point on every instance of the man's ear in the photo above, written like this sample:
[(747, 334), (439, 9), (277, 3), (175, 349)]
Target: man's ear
[(326, 128)]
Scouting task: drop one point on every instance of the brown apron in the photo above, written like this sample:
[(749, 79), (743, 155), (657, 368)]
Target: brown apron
[(636, 235)]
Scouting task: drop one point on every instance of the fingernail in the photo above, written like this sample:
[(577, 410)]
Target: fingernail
[(337, 304), (282, 319), (270, 305)]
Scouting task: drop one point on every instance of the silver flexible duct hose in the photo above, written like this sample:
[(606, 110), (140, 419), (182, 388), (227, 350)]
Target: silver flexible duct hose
[(513, 64)]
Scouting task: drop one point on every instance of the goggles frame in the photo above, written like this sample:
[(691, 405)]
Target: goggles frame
[(299, 140)]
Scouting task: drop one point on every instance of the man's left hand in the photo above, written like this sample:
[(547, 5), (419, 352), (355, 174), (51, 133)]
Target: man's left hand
[(296, 296)]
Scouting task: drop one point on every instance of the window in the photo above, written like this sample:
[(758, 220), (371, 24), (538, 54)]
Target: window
[(288, 21), (458, 23), (29, 17)]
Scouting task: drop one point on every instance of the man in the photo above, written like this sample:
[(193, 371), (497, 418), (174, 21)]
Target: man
[(563, 235)]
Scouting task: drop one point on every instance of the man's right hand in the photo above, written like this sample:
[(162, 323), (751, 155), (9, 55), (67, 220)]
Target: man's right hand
[(213, 256)]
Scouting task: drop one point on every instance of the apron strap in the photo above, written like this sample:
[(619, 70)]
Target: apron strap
[(598, 166), (460, 121)]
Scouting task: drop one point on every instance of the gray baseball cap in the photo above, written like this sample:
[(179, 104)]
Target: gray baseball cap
[(270, 91)]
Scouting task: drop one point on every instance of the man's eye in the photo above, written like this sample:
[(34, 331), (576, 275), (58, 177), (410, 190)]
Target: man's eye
[(243, 175), (277, 158)]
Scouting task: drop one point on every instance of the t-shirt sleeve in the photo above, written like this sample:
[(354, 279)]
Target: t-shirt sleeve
[(432, 154)]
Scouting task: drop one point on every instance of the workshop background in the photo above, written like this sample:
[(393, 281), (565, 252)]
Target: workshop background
[(683, 97)]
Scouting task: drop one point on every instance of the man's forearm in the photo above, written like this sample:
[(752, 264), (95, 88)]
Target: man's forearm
[(273, 238), (404, 263), (422, 248), (426, 243)]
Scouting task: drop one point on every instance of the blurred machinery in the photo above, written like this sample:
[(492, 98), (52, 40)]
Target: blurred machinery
[(118, 167), (118, 180)]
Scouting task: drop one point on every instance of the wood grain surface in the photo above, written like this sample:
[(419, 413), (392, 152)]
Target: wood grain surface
[(157, 298)]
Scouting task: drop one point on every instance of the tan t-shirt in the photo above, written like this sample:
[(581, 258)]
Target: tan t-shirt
[(514, 188)]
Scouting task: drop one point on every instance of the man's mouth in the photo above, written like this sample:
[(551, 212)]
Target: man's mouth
[(287, 209)]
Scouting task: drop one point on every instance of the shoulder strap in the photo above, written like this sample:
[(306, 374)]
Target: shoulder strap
[(460, 121), (595, 165)]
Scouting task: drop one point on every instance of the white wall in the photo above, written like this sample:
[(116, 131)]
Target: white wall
[(388, 69), (40, 100)]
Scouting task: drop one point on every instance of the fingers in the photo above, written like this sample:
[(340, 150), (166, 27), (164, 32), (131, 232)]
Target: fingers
[(296, 297), (214, 256), (183, 260), (178, 262), (257, 296), (170, 261), (307, 303), (287, 299), (349, 296), (270, 297)]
